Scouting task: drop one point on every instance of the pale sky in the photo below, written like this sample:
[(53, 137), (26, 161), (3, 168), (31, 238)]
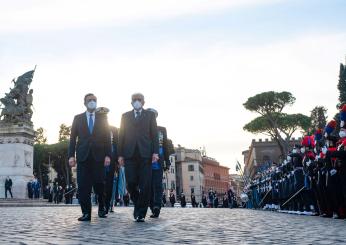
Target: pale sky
[(196, 61)]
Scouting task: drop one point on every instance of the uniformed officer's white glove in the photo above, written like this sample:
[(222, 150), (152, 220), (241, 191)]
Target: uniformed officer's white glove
[(333, 171)]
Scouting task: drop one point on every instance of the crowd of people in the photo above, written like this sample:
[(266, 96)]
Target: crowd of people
[(209, 200), (55, 193), (312, 178), (34, 188)]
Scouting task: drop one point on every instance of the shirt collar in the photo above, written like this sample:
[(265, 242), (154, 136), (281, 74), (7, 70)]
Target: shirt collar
[(140, 111), (90, 113)]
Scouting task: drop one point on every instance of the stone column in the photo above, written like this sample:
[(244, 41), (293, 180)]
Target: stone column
[(16, 157)]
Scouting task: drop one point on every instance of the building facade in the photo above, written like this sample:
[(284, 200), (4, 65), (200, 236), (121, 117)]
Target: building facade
[(189, 173), (169, 181), (216, 177), (262, 154)]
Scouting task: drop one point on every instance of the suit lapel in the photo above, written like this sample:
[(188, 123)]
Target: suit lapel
[(142, 115), (85, 127), (97, 119)]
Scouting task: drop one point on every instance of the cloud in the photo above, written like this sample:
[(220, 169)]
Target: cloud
[(197, 86), (37, 15), (198, 93)]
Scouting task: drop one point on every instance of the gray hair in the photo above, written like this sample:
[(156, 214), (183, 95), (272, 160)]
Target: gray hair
[(140, 95)]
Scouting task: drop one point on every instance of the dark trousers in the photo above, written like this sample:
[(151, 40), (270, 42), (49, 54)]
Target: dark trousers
[(109, 179), (156, 189), (8, 190), (90, 174), (138, 178)]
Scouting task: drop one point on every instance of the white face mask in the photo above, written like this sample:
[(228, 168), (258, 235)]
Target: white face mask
[(342, 134), (294, 151), (302, 150), (137, 105), (289, 158), (91, 105)]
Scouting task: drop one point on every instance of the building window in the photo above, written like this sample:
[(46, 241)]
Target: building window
[(191, 168), (201, 170), (191, 178), (216, 176), (172, 170), (192, 190)]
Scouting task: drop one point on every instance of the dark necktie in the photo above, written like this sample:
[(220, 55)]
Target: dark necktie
[(91, 123), (138, 114)]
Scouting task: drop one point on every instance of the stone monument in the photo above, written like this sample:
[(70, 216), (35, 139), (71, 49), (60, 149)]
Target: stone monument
[(17, 136)]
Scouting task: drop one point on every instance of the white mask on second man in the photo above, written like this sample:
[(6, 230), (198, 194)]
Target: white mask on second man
[(137, 105)]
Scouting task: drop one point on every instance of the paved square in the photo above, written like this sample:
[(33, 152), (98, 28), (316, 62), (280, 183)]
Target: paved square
[(59, 225)]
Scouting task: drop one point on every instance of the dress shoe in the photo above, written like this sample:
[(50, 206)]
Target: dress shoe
[(156, 212), (135, 213), (140, 219), (85, 217), (102, 214)]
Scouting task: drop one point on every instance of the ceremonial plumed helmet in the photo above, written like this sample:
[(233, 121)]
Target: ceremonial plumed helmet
[(153, 110), (330, 128), (102, 110)]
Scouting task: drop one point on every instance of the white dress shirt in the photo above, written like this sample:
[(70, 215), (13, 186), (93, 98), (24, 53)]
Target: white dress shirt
[(140, 112), (88, 116)]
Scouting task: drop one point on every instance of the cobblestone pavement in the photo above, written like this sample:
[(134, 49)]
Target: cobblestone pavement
[(59, 225)]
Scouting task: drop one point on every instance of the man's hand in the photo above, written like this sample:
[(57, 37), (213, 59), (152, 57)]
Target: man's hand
[(72, 162), (155, 158), (107, 161), (121, 161)]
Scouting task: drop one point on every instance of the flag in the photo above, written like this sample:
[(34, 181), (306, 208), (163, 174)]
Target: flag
[(238, 167)]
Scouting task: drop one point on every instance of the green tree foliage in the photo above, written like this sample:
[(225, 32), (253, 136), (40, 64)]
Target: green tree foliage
[(342, 94), (40, 137), (269, 103), (56, 153), (64, 133), (59, 161), (170, 147), (318, 117), (342, 85), (272, 121), (41, 167)]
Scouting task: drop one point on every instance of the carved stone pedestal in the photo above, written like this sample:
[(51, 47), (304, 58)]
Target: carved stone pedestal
[(16, 157)]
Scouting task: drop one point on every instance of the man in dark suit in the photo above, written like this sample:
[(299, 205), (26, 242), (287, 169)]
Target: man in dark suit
[(138, 147), (158, 167), (8, 186), (90, 140)]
